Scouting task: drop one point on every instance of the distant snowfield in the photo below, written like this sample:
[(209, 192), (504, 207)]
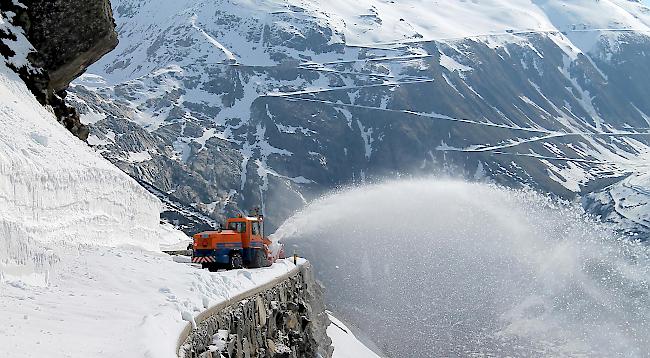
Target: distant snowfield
[(369, 22), (364, 23)]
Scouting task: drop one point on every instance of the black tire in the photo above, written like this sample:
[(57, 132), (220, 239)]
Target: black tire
[(236, 260), (212, 267), (258, 259), (264, 261)]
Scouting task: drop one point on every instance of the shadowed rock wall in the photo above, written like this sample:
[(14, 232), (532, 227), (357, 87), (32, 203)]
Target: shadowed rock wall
[(67, 36), (287, 320), (70, 35)]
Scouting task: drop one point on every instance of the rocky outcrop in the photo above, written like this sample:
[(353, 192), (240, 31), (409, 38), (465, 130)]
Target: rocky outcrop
[(67, 36), (284, 319), (85, 31)]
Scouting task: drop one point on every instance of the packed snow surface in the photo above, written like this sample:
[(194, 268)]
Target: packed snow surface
[(115, 302), (445, 268)]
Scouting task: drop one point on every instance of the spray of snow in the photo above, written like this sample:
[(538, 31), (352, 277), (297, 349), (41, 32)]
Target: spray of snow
[(443, 268)]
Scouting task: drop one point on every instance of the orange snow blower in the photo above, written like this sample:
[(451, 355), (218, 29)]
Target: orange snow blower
[(240, 244)]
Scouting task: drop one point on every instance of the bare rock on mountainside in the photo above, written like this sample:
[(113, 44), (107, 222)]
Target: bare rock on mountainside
[(85, 31), (67, 36), (229, 105)]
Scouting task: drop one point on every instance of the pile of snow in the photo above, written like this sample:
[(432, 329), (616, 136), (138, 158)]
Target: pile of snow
[(54, 190)]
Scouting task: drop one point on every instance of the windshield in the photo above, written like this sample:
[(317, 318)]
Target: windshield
[(238, 227)]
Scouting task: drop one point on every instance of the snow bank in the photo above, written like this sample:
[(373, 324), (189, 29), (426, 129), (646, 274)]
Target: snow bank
[(55, 191)]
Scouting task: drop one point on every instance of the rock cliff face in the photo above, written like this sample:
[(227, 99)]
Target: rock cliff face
[(67, 36), (84, 32), (287, 320)]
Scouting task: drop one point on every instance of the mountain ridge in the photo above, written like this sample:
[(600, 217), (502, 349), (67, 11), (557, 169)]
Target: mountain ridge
[(233, 104)]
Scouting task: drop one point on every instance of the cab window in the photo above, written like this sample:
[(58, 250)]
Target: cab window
[(238, 227), (255, 228)]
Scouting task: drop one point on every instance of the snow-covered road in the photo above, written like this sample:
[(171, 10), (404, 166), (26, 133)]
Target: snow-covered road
[(124, 302), (114, 302)]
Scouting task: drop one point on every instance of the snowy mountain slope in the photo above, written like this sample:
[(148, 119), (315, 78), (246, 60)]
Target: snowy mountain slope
[(372, 22), (233, 104)]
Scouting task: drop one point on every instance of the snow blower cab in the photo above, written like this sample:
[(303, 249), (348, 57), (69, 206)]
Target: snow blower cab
[(240, 244)]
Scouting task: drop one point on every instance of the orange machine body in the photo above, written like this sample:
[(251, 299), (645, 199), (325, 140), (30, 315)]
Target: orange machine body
[(242, 235)]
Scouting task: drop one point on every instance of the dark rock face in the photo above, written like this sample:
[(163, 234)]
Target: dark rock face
[(285, 321), (67, 36), (70, 35)]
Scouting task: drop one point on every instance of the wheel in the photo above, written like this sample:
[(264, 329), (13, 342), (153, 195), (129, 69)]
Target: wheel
[(236, 261), (258, 259), (261, 257), (212, 267)]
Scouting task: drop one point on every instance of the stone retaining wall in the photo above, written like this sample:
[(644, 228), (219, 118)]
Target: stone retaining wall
[(283, 319)]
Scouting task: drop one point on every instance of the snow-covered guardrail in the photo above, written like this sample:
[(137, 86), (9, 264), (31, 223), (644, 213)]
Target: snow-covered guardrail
[(262, 319)]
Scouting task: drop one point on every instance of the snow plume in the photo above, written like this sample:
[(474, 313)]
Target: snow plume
[(444, 268)]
